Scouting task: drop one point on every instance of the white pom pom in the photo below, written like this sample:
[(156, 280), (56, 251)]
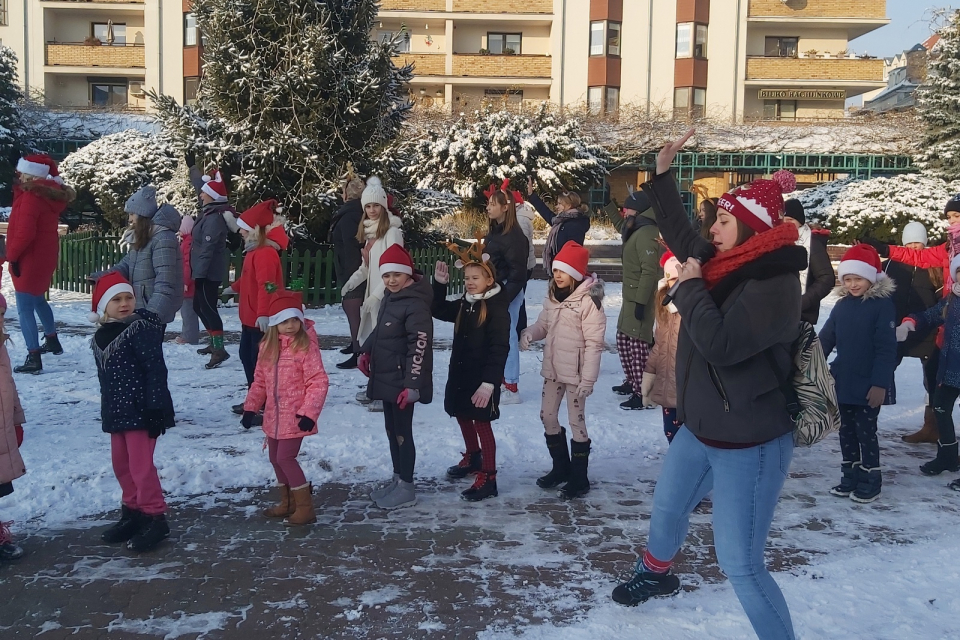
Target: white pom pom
[(278, 210), (374, 181), (93, 317), (207, 178)]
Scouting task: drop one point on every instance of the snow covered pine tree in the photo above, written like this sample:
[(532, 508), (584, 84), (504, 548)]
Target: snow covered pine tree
[(937, 107), (11, 122)]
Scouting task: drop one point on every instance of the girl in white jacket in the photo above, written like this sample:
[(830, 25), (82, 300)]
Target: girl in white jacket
[(378, 230)]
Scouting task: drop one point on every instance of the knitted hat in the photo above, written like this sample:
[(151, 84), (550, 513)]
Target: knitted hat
[(953, 204), (759, 205), (637, 201), (143, 203), (793, 208), (572, 259), (106, 288), (374, 192), (38, 165), (914, 232), (861, 260), (216, 188), (284, 305), (954, 265), (259, 215), (396, 259), (186, 225), (669, 264)]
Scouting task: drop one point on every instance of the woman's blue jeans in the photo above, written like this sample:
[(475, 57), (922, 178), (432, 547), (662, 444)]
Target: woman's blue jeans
[(511, 372), (746, 486), (28, 308)]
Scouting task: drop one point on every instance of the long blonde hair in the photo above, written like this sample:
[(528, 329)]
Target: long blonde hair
[(383, 225), (488, 269), (271, 342)]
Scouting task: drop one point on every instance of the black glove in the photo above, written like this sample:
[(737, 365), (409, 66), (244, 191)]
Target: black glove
[(882, 247), (191, 157), (306, 424), (153, 419), (247, 419), (638, 312), (15, 269)]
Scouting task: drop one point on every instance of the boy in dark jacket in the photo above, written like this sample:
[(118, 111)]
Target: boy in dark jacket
[(136, 408), (862, 329), (398, 359)]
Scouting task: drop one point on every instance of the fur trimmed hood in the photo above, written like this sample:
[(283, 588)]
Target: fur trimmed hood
[(882, 288), (49, 189)]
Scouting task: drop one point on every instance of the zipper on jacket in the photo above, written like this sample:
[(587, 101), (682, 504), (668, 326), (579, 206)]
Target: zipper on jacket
[(718, 385), (276, 396)]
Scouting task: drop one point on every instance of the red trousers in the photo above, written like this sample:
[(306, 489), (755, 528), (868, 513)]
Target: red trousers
[(132, 453), (283, 457)]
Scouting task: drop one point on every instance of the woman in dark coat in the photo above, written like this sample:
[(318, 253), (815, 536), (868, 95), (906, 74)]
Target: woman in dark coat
[(740, 317), (347, 258), (569, 222), (818, 279)]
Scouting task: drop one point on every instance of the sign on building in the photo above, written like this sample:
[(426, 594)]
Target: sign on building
[(803, 94)]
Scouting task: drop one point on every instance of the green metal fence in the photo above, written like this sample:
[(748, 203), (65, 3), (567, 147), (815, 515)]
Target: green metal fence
[(88, 252)]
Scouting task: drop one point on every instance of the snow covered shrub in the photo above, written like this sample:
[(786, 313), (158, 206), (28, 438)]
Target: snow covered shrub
[(108, 171), (939, 150), (879, 207), (467, 156)]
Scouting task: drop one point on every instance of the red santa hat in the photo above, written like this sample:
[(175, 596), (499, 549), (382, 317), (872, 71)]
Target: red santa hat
[(396, 259), (38, 165), (215, 187), (109, 285), (759, 205), (669, 264), (861, 260), (259, 215), (285, 305), (572, 259)]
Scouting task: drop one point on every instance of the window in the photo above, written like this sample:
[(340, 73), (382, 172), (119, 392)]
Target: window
[(189, 29), (779, 47), (595, 101), (601, 100), (504, 43), (613, 38), (699, 107), (689, 102), (612, 100), (596, 38), (403, 46), (779, 109), (110, 33), (3, 13), (691, 40), (190, 88), (507, 96), (108, 94)]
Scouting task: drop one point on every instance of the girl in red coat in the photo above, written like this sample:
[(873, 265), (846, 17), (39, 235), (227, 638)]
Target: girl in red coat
[(291, 368), (39, 197), (190, 330)]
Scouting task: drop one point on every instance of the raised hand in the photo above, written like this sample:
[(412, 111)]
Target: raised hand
[(531, 185), (442, 273), (669, 152)]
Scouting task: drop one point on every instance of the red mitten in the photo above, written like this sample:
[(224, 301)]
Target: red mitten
[(363, 363), (19, 431)]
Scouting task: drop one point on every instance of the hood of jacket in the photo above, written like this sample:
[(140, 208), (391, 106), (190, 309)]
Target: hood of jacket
[(527, 211), (276, 236), (166, 217), (421, 288), (591, 286), (48, 189), (882, 288)]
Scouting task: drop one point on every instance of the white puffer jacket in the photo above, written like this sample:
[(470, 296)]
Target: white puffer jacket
[(525, 215), (371, 275)]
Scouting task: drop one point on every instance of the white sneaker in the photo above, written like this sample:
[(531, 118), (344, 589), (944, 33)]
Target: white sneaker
[(403, 495), (376, 406), (385, 489), (509, 397), (362, 397)]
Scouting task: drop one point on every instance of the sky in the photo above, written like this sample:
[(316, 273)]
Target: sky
[(909, 25)]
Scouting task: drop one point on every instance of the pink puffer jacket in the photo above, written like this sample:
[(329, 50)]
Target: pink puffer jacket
[(11, 414), (574, 332), (295, 385)]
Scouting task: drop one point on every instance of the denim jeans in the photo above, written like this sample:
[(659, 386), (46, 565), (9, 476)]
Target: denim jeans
[(746, 485), (28, 308), (511, 372)]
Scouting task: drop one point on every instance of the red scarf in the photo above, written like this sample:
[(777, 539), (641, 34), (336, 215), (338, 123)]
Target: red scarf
[(723, 264)]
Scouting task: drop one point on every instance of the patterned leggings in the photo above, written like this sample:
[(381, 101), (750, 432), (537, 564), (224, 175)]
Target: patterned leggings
[(633, 358), (478, 436), (553, 393)]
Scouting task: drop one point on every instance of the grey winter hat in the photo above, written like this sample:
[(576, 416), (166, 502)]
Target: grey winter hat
[(143, 203)]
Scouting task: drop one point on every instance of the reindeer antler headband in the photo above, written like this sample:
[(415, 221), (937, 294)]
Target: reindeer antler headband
[(474, 254), (505, 188)]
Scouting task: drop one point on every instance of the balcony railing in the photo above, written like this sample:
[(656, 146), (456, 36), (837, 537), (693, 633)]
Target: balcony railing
[(413, 5), (837, 69), (81, 55), (424, 64), (492, 66), (818, 9)]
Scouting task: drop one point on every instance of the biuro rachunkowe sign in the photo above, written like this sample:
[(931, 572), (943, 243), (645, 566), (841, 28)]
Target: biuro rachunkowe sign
[(803, 94)]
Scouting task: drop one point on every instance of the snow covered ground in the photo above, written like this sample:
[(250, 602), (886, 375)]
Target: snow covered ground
[(885, 570)]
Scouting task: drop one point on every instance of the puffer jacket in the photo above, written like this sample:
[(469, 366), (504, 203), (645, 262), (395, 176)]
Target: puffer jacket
[(574, 332), (32, 240), (401, 345), (156, 271), (663, 362), (11, 415), (508, 254), (948, 372), (295, 385), (641, 273), (133, 374), (347, 257), (371, 275), (209, 255), (260, 266), (525, 215), (189, 286)]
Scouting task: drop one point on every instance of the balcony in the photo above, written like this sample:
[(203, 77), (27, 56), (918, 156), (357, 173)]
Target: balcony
[(424, 64), (80, 55), (493, 66), (413, 5), (857, 16), (818, 70), (503, 6)]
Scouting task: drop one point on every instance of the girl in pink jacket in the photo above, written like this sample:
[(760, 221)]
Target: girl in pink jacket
[(573, 323), (659, 386), (11, 436), (290, 384)]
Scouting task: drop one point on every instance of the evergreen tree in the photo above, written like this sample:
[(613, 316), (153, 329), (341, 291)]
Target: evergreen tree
[(938, 106), (292, 91), (11, 118)]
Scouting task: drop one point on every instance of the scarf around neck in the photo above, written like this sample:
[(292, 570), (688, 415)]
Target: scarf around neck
[(370, 228), (549, 248), (723, 264)]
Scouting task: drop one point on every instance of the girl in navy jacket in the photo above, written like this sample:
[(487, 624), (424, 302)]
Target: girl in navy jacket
[(862, 329)]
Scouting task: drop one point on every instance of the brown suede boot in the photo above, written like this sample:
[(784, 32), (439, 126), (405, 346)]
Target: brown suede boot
[(929, 433), (303, 499), (286, 506)]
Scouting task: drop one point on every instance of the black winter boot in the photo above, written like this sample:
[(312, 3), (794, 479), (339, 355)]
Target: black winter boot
[(633, 403), (485, 486), (128, 526), (470, 463), (349, 364), (154, 530), (868, 485), (31, 365), (51, 344), (347, 350), (645, 585), (217, 357), (946, 460), (207, 350), (624, 389), (848, 480), (557, 445), (578, 485)]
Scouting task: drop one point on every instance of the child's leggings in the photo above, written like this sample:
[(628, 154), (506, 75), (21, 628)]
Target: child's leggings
[(943, 400), (478, 436), (670, 423), (399, 426), (132, 454), (858, 435), (283, 457), (553, 393)]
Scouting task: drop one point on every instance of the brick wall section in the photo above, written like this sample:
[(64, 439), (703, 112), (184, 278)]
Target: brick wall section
[(424, 64), (413, 5), (814, 69), (503, 6), (818, 8), (78, 55), (502, 66)]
